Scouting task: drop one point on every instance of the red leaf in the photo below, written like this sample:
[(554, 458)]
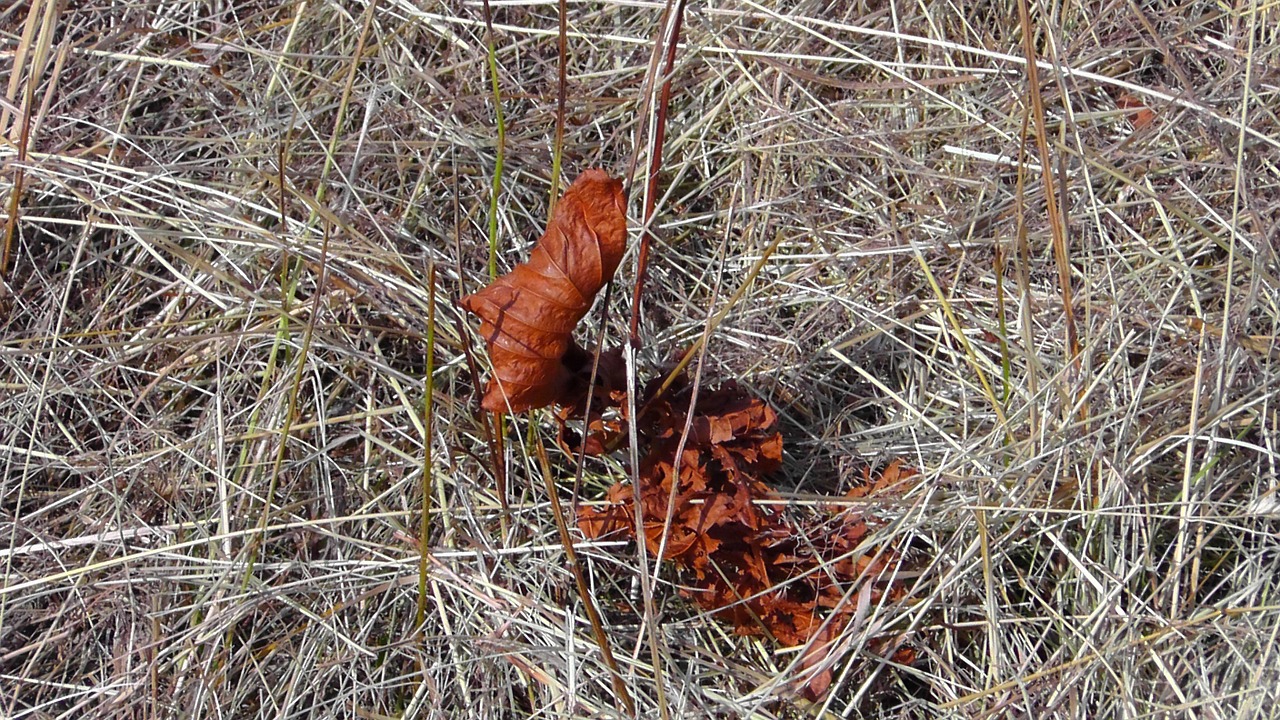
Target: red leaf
[(742, 559), (527, 316), (1141, 115)]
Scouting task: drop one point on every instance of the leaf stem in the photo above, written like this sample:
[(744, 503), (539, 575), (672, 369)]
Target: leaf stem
[(424, 525), (671, 43), (557, 145), (500, 150)]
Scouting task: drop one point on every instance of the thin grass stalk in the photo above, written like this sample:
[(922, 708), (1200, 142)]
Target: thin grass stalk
[(642, 548), (321, 187), (1052, 208), (428, 414), (20, 59), (557, 145), (292, 406), (19, 175), (1024, 279), (672, 43), (970, 356), (34, 62), (288, 286), (1054, 193), (273, 358), (719, 318), (580, 578), (1002, 323), (646, 103), (499, 419), (491, 58)]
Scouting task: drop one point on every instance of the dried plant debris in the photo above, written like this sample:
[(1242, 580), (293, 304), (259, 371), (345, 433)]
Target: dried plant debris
[(528, 315), (739, 554)]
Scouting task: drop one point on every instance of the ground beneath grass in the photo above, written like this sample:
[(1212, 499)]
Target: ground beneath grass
[(1037, 262)]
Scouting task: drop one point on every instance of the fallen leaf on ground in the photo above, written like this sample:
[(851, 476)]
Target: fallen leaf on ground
[(527, 316), (740, 556)]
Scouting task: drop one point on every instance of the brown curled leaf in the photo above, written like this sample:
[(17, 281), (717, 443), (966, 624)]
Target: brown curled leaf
[(527, 316), (799, 579)]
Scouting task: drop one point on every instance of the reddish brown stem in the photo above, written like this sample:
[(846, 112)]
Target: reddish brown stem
[(672, 42), (19, 174), (562, 93), (584, 589)]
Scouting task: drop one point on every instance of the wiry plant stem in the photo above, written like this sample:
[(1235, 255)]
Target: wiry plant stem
[(557, 144), (671, 42), (424, 523), (580, 579), (500, 148)]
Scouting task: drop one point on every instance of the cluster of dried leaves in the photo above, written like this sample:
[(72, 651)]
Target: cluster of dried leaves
[(708, 510), (703, 501)]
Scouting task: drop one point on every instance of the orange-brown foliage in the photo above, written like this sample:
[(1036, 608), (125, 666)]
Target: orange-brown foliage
[(740, 554), (705, 505), (527, 316)]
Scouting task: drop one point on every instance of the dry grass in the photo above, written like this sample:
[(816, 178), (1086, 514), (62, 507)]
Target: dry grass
[(212, 462)]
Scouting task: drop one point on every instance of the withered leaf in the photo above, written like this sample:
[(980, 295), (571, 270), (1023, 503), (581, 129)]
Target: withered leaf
[(527, 316), (742, 559)]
